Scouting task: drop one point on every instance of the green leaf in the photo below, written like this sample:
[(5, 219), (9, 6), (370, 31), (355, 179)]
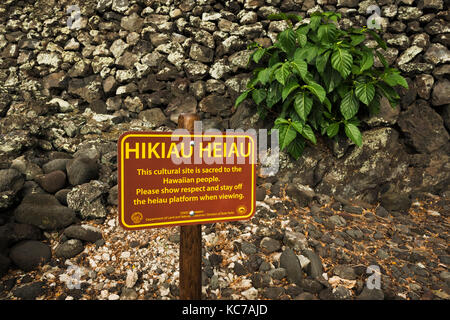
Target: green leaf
[(321, 61), (365, 92), (388, 91), (287, 40), (303, 105), (308, 133), (296, 147), (315, 21), (258, 54), (378, 39), (258, 95), (357, 39), (341, 60), (349, 105), (327, 33), (331, 78), (366, 60), (283, 73), (307, 53), (280, 121), (317, 90), (241, 97), (302, 39), (286, 134), (290, 86), (263, 76), (333, 129), (353, 133), (273, 95), (394, 79), (298, 126), (382, 59), (300, 67)]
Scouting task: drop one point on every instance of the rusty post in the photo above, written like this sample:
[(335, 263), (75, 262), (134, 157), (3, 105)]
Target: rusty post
[(190, 242)]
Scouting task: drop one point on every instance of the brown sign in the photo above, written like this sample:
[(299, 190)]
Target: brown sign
[(167, 179)]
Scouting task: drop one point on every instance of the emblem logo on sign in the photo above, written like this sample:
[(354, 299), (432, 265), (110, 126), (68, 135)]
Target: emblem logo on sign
[(136, 217), (241, 209)]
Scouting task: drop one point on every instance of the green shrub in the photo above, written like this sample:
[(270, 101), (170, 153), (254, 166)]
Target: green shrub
[(317, 79)]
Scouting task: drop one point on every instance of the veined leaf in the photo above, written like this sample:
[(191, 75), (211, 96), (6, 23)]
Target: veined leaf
[(303, 105), (241, 97), (301, 39), (279, 121), (353, 133), (273, 95), (263, 76), (349, 105), (357, 39), (315, 21), (317, 90), (366, 60), (331, 78), (321, 61), (298, 126), (394, 79), (287, 40), (378, 39), (326, 33), (342, 61), (283, 73), (286, 134), (290, 86), (300, 67), (258, 54), (296, 147), (308, 133), (365, 92), (333, 129), (259, 95)]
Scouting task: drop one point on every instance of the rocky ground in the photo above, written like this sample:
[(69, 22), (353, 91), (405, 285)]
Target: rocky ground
[(66, 95), (285, 251)]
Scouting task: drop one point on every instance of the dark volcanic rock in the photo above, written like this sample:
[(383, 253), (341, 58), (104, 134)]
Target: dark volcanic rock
[(84, 232), (81, 170), (29, 254), (30, 291), (290, 262), (53, 181), (69, 249), (423, 127), (44, 211)]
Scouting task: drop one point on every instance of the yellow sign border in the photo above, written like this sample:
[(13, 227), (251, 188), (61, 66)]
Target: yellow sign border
[(122, 139)]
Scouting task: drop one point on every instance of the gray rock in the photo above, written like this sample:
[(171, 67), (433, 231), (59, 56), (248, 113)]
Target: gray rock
[(215, 104), (342, 293), (338, 221), (132, 23), (424, 84), (81, 170), (300, 193), (29, 254), (269, 245), (315, 268), (88, 199), (290, 262), (371, 294), (5, 262), (248, 248), (53, 181), (277, 273), (90, 88), (30, 291), (395, 201), (61, 195), (436, 54), (69, 249), (201, 53), (54, 165), (153, 117), (295, 240), (441, 94), (11, 180), (305, 296), (345, 272), (83, 232), (44, 211), (273, 292), (311, 286)]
